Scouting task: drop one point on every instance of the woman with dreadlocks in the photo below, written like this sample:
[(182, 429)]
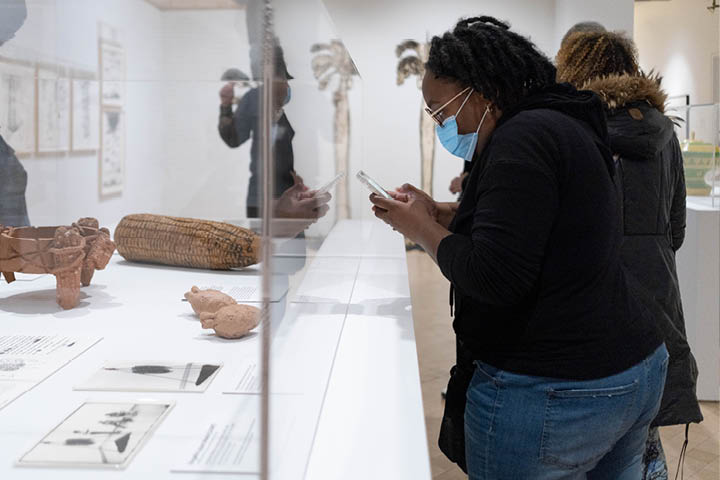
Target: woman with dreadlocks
[(566, 367), (653, 194)]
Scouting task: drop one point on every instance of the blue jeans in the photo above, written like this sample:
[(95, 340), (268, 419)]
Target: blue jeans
[(523, 427)]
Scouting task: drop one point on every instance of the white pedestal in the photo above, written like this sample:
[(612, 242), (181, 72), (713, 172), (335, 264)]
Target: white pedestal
[(698, 264)]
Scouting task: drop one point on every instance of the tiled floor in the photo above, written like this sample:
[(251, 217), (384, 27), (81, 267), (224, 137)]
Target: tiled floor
[(436, 347)]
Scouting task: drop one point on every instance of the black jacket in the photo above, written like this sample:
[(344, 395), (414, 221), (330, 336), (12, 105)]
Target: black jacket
[(653, 191), (236, 128), (535, 255), (534, 258)]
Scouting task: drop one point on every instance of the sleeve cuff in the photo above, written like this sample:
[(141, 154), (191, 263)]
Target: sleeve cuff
[(226, 110), (449, 247)]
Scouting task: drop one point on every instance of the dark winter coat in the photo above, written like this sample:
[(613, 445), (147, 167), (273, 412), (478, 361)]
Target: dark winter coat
[(650, 168), (535, 256)]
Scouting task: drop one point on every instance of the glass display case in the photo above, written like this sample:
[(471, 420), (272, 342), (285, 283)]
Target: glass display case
[(184, 244), (698, 129)]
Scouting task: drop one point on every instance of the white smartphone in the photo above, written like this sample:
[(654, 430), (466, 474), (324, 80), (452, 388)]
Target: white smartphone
[(326, 188), (372, 185)]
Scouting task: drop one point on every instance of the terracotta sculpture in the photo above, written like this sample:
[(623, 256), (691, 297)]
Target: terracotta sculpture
[(232, 321), (414, 65), (333, 60), (208, 301), (71, 253), (186, 242)]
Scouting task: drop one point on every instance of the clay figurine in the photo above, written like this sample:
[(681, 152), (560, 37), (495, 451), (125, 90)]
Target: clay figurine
[(98, 248), (232, 321), (71, 253), (208, 301)]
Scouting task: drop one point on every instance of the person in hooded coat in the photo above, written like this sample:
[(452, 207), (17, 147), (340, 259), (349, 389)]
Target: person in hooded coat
[(13, 177), (650, 167), (562, 368)]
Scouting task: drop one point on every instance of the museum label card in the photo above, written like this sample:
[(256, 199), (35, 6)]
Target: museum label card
[(27, 360), (152, 376), (226, 448), (98, 435)]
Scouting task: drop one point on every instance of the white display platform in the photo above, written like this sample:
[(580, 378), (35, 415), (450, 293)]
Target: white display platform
[(698, 266), (347, 400)]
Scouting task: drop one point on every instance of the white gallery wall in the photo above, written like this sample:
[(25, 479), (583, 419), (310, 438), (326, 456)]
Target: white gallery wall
[(63, 187), (613, 14), (204, 178), (372, 28), (678, 38), (175, 161)]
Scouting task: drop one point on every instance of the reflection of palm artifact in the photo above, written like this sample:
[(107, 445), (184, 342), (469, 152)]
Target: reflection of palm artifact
[(408, 66), (208, 301), (186, 242), (232, 321), (72, 254), (333, 60)]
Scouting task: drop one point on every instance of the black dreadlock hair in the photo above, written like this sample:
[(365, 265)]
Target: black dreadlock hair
[(501, 65)]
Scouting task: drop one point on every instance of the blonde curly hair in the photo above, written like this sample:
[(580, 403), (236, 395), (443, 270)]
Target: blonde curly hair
[(589, 55)]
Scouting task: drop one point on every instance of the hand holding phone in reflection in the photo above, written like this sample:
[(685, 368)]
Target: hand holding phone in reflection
[(300, 203), (227, 93)]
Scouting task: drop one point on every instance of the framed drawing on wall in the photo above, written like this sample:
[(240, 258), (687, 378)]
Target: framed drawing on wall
[(17, 105), (112, 151), (53, 110), (112, 74), (85, 113)]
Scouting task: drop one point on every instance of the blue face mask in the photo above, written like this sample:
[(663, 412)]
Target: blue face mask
[(462, 146)]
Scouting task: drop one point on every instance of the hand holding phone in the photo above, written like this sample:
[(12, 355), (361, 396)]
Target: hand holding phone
[(372, 185)]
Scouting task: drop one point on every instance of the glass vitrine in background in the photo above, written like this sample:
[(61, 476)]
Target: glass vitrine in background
[(111, 109), (319, 236), (697, 127)]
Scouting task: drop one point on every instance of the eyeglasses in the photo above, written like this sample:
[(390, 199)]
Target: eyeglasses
[(437, 114)]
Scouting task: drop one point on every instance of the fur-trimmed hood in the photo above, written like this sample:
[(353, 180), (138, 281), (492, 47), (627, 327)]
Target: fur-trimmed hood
[(635, 106), (618, 91)]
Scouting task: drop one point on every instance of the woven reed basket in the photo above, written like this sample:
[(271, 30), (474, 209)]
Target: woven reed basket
[(186, 242)]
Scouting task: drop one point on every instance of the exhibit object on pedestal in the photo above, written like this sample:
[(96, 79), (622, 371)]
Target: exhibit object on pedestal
[(699, 159), (186, 242), (208, 301), (232, 321), (408, 66), (330, 60), (71, 253)]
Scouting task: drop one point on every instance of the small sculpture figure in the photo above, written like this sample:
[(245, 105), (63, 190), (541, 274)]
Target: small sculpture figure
[(232, 321), (208, 301), (68, 247), (71, 253)]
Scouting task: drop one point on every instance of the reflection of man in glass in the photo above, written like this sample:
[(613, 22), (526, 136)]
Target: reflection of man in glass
[(292, 197), (13, 178)]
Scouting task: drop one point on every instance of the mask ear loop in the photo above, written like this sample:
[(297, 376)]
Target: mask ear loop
[(471, 152), (464, 101), (482, 120)]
